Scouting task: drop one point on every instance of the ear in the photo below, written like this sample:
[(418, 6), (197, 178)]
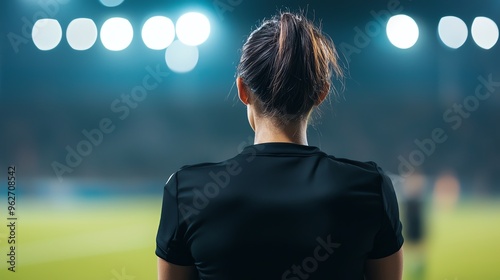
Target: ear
[(243, 93), (322, 96)]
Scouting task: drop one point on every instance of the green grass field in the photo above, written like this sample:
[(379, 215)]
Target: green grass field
[(114, 240)]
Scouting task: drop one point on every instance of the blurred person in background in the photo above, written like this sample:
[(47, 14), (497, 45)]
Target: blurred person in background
[(413, 192), (281, 209)]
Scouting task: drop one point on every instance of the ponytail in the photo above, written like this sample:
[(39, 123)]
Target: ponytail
[(288, 63)]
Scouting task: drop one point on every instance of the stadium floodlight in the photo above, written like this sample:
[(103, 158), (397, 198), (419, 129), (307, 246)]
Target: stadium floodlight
[(111, 3), (81, 34), (402, 31), (116, 34), (158, 32), (453, 31), (193, 28), (484, 32), (46, 34), (181, 58)]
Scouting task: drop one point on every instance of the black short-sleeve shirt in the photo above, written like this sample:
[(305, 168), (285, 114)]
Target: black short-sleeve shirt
[(279, 211)]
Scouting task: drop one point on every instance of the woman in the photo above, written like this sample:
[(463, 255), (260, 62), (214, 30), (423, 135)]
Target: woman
[(281, 209)]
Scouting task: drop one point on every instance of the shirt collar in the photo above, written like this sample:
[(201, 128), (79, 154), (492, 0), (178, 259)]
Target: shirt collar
[(280, 148)]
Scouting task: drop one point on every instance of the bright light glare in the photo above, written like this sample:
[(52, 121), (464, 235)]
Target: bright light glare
[(158, 32), (453, 31), (181, 58), (46, 34), (111, 3), (116, 34), (193, 29), (484, 32), (81, 34), (402, 31)]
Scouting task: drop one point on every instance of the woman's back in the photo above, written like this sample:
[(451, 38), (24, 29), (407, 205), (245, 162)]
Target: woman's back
[(279, 211)]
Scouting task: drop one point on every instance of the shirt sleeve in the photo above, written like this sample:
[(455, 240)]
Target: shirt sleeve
[(389, 238), (170, 239)]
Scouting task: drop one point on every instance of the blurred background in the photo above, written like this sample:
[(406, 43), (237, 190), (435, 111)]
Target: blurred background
[(101, 100)]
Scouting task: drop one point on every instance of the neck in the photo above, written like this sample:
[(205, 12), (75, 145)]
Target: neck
[(267, 131)]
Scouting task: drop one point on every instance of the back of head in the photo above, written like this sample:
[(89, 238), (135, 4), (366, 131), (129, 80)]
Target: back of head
[(288, 64)]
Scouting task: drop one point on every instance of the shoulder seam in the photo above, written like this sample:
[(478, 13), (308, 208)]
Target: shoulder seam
[(188, 166), (177, 197)]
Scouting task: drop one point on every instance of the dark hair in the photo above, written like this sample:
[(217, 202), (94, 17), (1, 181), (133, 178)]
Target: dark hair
[(287, 63)]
